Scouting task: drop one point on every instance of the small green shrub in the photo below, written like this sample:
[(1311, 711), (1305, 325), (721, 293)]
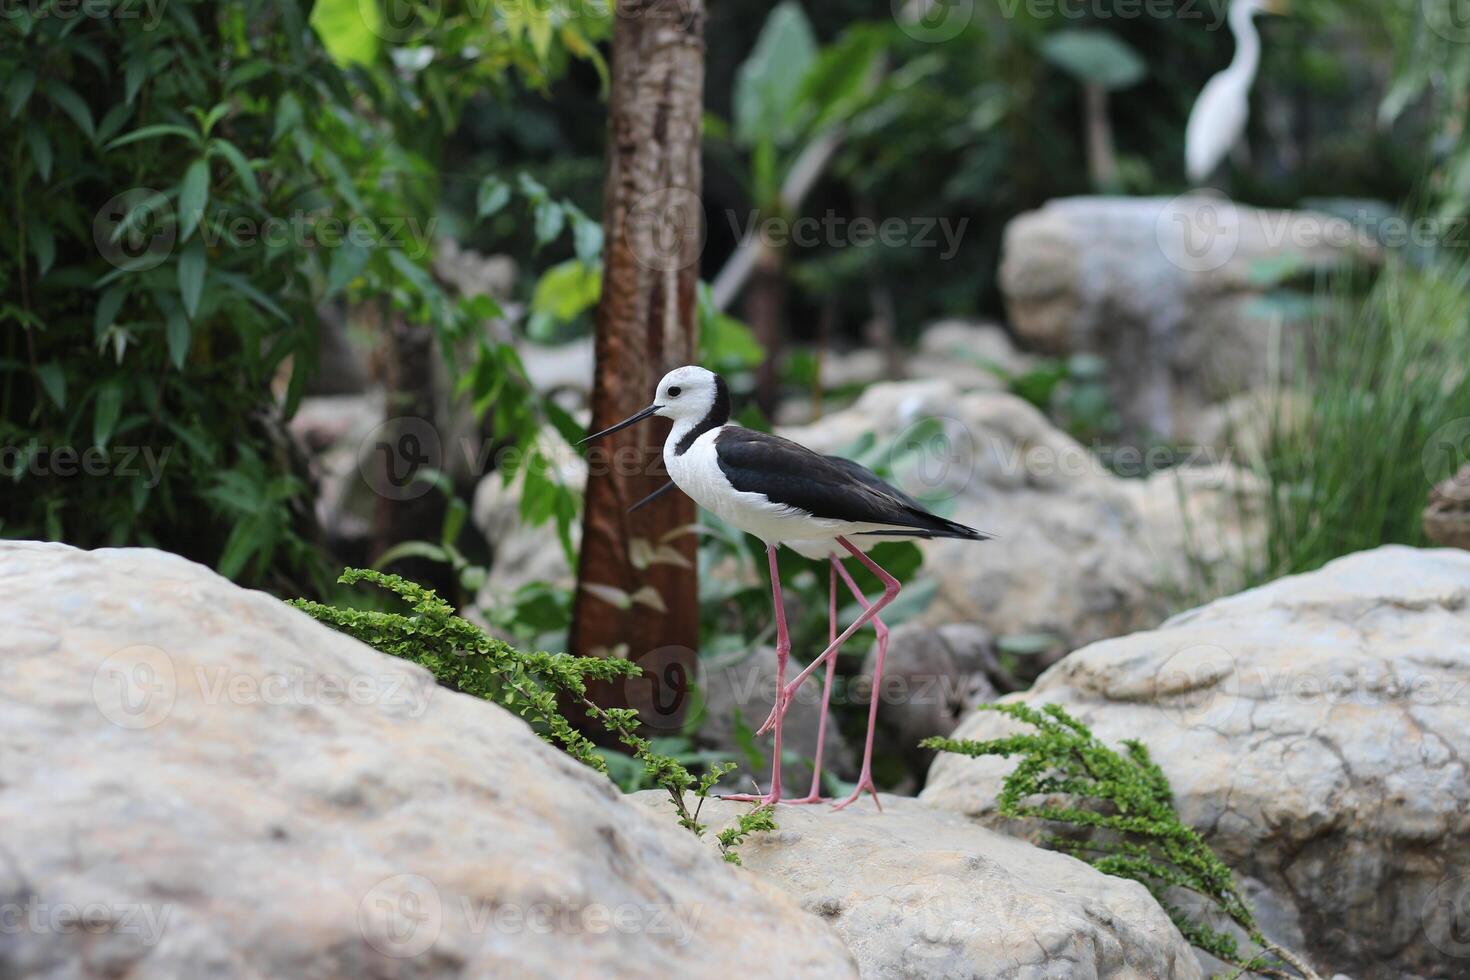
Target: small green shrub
[(465, 658), (1124, 806)]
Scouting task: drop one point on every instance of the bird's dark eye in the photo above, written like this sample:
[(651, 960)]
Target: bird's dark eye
[(674, 392)]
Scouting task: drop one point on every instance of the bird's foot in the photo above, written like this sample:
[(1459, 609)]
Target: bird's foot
[(864, 785), (808, 799), (782, 705)]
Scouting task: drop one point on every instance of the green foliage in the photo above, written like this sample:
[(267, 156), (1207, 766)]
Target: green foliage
[(1373, 415), (758, 820), (1123, 807), (1094, 56), (182, 196), (465, 658)]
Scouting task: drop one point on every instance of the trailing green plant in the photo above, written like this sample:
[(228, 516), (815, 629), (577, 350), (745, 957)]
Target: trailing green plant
[(1121, 809), (465, 658)]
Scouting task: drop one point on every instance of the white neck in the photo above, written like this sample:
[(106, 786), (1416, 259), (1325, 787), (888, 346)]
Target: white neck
[(1247, 41)]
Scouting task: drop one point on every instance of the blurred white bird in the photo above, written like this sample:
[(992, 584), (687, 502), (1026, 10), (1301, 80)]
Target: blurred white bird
[(1217, 121)]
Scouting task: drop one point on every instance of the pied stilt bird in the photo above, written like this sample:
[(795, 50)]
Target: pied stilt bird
[(830, 551), (783, 493)]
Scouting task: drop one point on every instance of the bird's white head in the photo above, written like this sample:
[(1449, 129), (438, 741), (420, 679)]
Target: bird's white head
[(689, 395)]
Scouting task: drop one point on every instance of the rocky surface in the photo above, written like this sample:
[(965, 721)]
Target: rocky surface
[(1317, 731), (920, 893), (969, 355), (1167, 290), (1080, 554), (196, 780)]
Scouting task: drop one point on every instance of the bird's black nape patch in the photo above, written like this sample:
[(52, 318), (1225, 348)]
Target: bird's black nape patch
[(718, 415)]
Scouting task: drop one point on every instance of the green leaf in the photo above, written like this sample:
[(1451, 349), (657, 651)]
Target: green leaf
[(192, 267), (493, 195), (348, 261), (18, 90), (1095, 56), (179, 337), (288, 116), (153, 132), (43, 244), (108, 305), (549, 219), (239, 164), (566, 290), (768, 83), (53, 379), (106, 413), (193, 197), (40, 146), (68, 101), (586, 235)]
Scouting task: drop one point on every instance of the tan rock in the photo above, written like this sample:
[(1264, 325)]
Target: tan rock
[(196, 780), (1316, 730), (920, 893)]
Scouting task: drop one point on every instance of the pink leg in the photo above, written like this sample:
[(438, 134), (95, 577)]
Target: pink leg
[(783, 651), (865, 778), (814, 795), (890, 592)]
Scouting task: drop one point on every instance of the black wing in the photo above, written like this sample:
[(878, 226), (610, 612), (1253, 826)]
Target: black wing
[(788, 473)]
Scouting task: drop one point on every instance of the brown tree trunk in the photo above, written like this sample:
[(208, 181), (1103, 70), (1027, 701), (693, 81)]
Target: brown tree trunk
[(637, 592)]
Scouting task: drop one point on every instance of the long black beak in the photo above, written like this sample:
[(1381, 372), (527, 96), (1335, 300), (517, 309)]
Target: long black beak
[(623, 424)]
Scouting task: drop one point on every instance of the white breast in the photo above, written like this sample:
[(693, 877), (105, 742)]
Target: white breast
[(697, 472)]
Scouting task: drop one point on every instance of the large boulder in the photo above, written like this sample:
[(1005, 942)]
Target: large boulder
[(1080, 553), (1167, 290), (1316, 731), (918, 893), (196, 780)]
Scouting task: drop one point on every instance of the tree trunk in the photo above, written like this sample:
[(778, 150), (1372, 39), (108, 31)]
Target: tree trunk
[(637, 591), (765, 311)]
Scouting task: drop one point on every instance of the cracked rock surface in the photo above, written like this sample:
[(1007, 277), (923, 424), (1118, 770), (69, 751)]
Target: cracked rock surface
[(917, 892), (199, 781), (1317, 730)]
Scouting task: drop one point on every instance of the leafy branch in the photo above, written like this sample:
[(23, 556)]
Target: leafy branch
[(465, 658), (1125, 805)]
